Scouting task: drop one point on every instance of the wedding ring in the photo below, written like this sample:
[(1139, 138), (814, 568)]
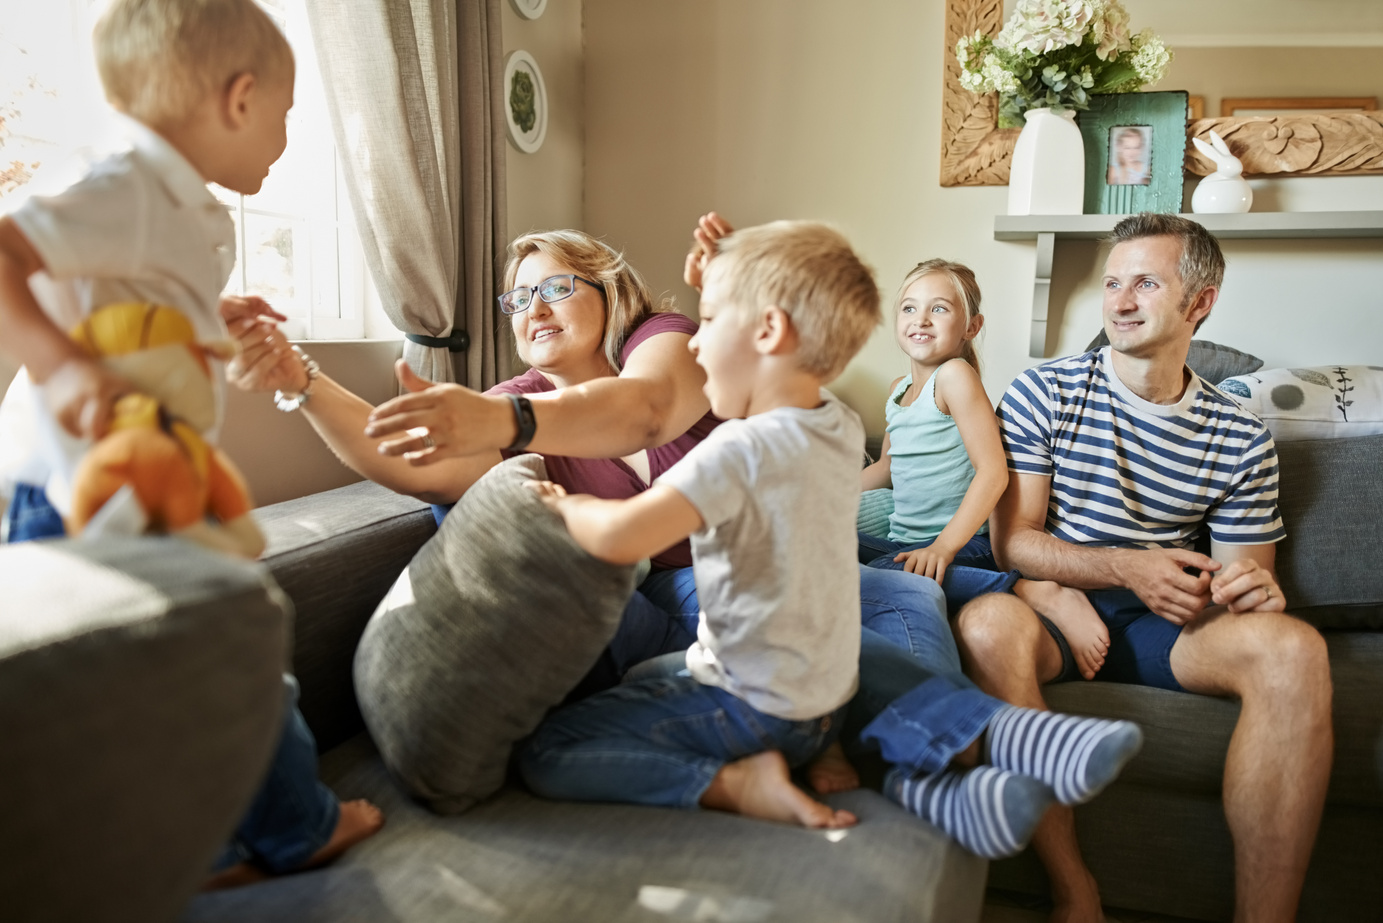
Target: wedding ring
[(1269, 590), (428, 442)]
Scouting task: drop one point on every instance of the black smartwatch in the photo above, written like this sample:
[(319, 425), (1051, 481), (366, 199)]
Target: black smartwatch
[(524, 419)]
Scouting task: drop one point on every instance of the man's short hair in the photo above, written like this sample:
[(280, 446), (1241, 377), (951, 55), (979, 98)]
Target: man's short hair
[(1202, 264), (159, 58), (811, 272)]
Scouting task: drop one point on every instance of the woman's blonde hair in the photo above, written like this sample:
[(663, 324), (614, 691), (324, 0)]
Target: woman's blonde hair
[(627, 297), (962, 279), (158, 59)]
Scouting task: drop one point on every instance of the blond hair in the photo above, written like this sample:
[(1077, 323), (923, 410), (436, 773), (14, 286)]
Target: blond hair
[(962, 279), (628, 300), (158, 59), (810, 272)]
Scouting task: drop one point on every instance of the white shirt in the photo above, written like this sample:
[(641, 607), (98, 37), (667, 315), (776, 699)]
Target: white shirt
[(775, 566), (140, 226)]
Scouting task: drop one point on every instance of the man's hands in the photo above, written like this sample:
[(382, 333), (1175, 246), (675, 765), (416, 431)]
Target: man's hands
[(1242, 585), (929, 562), (709, 229)]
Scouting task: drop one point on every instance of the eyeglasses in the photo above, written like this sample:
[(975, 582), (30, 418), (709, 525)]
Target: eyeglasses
[(551, 290)]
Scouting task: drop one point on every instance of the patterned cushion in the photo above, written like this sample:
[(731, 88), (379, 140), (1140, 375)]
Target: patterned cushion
[(1318, 403), (498, 616)]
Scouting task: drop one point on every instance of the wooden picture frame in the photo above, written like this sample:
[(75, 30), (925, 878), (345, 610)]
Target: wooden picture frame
[(976, 152), (1149, 130), (1230, 105)]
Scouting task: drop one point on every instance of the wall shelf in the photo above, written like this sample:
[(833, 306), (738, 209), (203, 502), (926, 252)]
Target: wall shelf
[(1048, 229)]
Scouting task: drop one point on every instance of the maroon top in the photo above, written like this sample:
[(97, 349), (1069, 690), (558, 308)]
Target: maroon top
[(612, 478)]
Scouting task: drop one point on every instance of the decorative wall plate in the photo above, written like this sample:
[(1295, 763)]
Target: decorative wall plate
[(529, 9), (525, 102)]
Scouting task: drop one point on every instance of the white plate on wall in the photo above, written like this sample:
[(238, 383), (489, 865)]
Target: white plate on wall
[(529, 9), (525, 102)]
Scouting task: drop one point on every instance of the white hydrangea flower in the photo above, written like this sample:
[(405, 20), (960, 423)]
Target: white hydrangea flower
[(1042, 26), (998, 77), (1150, 57), (1110, 30)]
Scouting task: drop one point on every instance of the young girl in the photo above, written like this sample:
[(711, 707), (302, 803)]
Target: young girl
[(944, 459)]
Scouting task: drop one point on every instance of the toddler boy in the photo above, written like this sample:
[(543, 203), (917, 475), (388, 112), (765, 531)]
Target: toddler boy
[(205, 86), (769, 500)]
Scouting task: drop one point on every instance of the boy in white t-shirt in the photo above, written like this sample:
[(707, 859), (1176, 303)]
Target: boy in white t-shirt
[(206, 86), (769, 500)]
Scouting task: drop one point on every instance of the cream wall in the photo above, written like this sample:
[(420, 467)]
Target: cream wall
[(818, 109)]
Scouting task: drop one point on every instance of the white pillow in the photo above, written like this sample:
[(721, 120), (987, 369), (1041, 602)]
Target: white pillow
[(1320, 403)]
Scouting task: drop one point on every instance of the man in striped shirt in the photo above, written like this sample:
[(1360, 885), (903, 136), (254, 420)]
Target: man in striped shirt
[(1121, 458)]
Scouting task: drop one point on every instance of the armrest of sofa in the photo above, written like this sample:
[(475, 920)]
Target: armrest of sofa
[(140, 699), (335, 554)]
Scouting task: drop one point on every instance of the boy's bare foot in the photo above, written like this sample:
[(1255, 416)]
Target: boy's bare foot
[(1070, 611), (759, 786), (832, 772), (359, 821)]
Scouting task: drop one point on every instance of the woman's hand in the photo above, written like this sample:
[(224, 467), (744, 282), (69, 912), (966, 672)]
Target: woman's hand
[(709, 229), (266, 361), (433, 422)]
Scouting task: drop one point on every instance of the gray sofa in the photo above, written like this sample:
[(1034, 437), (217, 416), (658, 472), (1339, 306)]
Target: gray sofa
[(1156, 840)]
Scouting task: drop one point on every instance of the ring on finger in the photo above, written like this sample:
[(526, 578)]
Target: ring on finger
[(1268, 590), (428, 441)]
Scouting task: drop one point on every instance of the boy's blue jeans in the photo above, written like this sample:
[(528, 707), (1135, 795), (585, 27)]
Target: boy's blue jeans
[(293, 814), (659, 741)]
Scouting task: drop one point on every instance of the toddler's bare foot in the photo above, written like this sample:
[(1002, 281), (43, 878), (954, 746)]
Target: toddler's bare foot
[(1071, 612), (359, 821), (832, 772), (237, 876), (759, 786)]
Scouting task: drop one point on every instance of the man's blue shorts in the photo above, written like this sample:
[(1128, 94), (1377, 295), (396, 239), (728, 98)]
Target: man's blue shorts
[(1140, 642)]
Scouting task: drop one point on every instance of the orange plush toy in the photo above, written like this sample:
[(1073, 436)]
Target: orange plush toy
[(154, 451)]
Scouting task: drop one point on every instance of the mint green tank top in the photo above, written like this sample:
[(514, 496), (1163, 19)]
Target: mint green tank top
[(931, 469)]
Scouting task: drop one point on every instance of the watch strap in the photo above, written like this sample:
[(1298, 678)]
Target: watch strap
[(525, 421)]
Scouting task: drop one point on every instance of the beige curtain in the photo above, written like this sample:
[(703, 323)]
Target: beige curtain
[(413, 89)]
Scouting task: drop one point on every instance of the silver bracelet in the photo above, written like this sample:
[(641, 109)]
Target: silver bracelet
[(290, 401)]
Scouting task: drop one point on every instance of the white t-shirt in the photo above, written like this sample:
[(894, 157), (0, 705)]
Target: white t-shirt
[(140, 226), (775, 566)]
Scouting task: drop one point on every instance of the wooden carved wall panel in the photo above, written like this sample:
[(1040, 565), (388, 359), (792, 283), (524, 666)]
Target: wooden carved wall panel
[(976, 152), (1315, 144)]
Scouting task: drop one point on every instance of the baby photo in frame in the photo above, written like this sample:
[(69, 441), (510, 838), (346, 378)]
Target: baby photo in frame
[(1135, 146)]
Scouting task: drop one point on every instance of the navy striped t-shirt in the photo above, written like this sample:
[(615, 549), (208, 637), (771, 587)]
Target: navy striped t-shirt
[(1129, 473)]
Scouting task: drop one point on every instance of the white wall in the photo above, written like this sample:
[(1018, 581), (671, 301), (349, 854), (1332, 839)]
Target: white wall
[(819, 109)]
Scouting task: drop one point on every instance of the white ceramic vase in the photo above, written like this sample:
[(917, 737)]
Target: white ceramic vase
[(1048, 173)]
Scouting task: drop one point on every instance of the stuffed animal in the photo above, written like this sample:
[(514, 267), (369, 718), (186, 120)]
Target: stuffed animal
[(154, 454)]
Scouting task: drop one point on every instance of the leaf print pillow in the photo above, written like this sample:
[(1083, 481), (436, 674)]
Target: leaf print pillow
[(1317, 403)]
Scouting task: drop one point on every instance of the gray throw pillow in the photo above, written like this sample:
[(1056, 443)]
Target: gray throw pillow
[(494, 621), (1211, 361)]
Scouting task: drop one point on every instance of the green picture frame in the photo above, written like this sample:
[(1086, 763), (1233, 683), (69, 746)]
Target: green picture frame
[(1135, 147)]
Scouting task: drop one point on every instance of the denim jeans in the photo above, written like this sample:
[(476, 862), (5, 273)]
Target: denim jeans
[(908, 610), (659, 741), (973, 572), (293, 814)]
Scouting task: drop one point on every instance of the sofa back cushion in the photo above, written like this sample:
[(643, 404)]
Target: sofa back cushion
[(140, 700), (495, 620), (1331, 499)]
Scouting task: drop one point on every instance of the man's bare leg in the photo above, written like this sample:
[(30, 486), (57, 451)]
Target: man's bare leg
[(1279, 758), (1009, 654), (759, 786)]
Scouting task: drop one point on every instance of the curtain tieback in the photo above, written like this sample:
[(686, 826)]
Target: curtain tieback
[(458, 342)]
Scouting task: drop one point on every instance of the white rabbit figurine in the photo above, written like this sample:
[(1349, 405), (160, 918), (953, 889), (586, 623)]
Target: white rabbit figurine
[(1225, 191)]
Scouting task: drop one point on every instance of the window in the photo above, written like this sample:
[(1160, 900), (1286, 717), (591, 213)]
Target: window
[(297, 244)]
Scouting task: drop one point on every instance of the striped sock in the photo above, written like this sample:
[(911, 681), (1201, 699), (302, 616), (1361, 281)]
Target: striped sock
[(991, 812), (1076, 756)]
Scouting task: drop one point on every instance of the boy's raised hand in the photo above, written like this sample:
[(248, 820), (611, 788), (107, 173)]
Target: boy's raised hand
[(81, 393), (709, 229)]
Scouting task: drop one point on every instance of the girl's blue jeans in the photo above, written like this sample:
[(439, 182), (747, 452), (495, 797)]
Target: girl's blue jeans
[(973, 572), (293, 814)]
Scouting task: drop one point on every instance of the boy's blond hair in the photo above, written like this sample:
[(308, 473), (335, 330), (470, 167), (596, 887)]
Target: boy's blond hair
[(159, 59), (809, 271)]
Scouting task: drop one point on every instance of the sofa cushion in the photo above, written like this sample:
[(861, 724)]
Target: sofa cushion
[(493, 622), (519, 858), (1331, 500), (336, 553), (1316, 403), (140, 699)]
